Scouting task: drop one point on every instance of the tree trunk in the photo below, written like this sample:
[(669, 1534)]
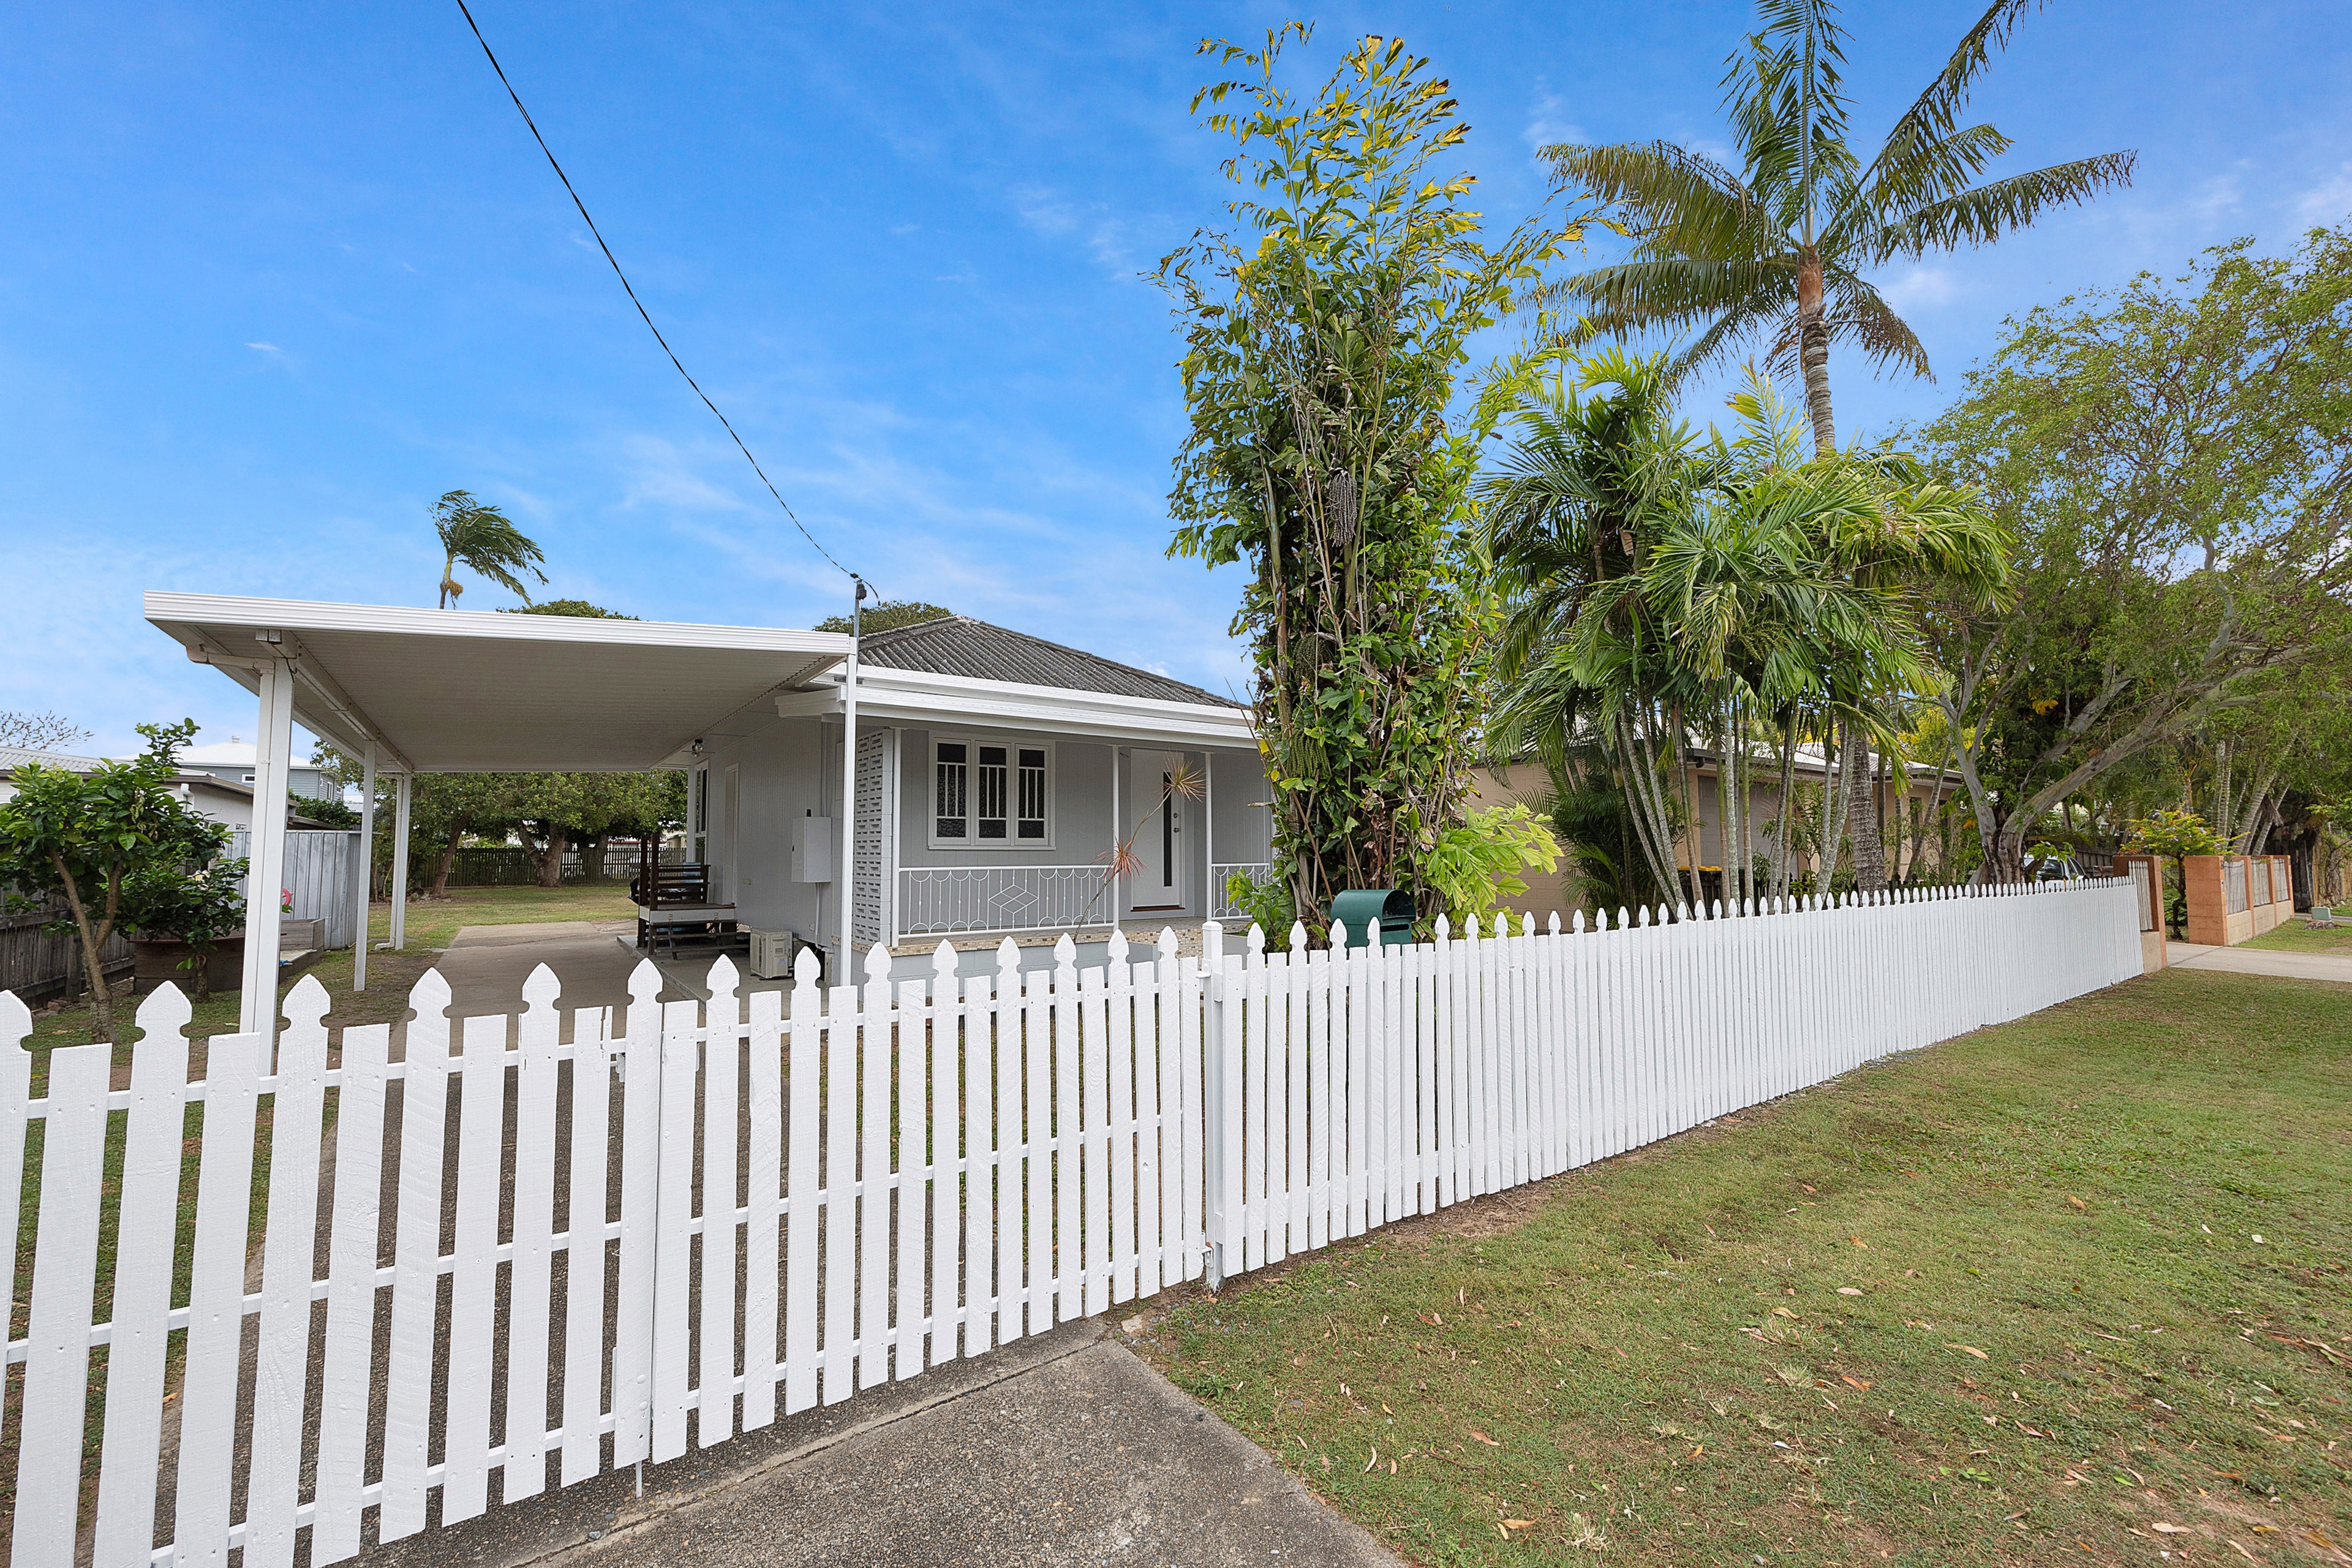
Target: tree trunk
[(102, 1001), (1813, 353), (1787, 806), (592, 858), (446, 863), (551, 856), (1861, 813)]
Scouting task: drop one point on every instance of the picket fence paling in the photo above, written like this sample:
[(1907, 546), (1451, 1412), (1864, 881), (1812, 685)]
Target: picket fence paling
[(905, 1170)]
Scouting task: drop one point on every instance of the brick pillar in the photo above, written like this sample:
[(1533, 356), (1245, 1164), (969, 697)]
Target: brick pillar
[(2209, 901)]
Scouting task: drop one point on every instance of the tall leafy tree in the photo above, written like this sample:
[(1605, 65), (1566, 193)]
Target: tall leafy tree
[(2171, 457), (479, 537), (1324, 339)]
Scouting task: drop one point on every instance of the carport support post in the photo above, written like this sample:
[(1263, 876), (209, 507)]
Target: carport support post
[(397, 926), (367, 865), (846, 874), (257, 1005)]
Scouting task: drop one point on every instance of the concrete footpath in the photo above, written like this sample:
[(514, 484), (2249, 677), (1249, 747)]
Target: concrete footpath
[(1064, 1450), (2259, 960)]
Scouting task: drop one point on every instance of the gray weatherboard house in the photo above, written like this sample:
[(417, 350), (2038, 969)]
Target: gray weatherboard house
[(996, 772)]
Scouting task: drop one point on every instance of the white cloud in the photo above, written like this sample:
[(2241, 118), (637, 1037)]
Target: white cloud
[(2328, 202), (1113, 241), (266, 348), (1920, 288), (2220, 195), (1548, 123)]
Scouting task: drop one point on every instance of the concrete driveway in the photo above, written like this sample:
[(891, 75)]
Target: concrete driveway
[(1064, 1450), (486, 965)]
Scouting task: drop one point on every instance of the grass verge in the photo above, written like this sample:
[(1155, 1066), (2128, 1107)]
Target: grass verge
[(2299, 936), (2073, 1290)]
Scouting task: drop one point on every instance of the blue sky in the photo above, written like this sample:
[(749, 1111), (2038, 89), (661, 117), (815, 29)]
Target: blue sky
[(274, 278)]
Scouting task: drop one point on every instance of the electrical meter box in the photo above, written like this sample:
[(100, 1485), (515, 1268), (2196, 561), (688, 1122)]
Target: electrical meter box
[(813, 845)]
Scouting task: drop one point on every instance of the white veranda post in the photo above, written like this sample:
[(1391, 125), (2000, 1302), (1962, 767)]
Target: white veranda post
[(366, 871), (258, 1004), (397, 923)]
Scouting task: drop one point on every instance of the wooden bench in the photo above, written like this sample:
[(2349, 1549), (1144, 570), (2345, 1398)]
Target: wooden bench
[(675, 907)]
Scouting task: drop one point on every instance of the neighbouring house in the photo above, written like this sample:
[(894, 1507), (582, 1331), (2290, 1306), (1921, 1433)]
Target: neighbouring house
[(225, 800), (997, 775), (233, 762), (14, 757), (1915, 846)]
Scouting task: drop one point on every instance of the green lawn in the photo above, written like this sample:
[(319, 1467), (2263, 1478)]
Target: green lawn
[(432, 923), (2299, 936), (2024, 1297)]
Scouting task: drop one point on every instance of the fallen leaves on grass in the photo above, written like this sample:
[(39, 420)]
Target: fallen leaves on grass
[(1972, 1350), (1481, 1438)]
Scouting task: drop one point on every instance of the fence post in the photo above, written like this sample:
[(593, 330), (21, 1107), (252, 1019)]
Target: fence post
[(1220, 1106)]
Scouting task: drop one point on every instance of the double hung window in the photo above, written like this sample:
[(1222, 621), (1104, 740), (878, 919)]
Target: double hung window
[(987, 796)]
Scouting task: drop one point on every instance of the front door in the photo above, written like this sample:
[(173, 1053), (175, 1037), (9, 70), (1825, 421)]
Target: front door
[(1160, 883)]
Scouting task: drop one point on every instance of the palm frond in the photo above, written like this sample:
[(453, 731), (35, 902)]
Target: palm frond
[(1895, 189), (1983, 215), (1672, 293), (1860, 315), (1755, 314), (1679, 202), (1932, 116)]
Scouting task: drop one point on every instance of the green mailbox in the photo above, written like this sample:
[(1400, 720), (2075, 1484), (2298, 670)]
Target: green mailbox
[(1361, 908)]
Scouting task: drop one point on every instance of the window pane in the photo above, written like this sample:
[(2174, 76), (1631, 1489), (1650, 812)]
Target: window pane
[(992, 756), (950, 828), (1033, 794), (952, 751), (992, 827)]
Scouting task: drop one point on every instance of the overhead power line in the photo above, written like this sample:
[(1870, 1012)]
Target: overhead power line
[(492, 56)]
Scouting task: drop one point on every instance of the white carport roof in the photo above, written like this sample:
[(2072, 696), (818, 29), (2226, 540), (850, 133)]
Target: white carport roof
[(455, 691)]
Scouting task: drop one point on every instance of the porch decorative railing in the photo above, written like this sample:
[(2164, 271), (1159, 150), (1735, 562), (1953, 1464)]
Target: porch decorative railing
[(1221, 907), (934, 900)]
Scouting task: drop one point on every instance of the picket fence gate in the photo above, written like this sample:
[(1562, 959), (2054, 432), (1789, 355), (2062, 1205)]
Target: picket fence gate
[(723, 1213)]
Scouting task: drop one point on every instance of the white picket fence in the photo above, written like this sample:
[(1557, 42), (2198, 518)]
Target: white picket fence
[(724, 1213)]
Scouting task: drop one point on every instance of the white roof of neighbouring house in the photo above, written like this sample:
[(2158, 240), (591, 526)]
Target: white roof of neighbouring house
[(21, 756), (478, 691)]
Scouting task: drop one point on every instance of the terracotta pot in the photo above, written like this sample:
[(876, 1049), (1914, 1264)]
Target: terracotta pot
[(158, 961)]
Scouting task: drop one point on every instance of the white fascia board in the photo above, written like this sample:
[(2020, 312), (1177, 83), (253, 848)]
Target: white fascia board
[(320, 707), (173, 611), (911, 697)]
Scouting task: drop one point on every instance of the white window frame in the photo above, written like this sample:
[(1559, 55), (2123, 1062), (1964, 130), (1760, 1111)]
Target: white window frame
[(1014, 745)]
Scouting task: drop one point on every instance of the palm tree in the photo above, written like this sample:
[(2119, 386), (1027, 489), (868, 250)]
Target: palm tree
[(1781, 247), (480, 539), (1662, 590)]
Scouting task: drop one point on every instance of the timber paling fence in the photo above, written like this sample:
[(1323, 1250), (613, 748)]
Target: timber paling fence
[(713, 1215)]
